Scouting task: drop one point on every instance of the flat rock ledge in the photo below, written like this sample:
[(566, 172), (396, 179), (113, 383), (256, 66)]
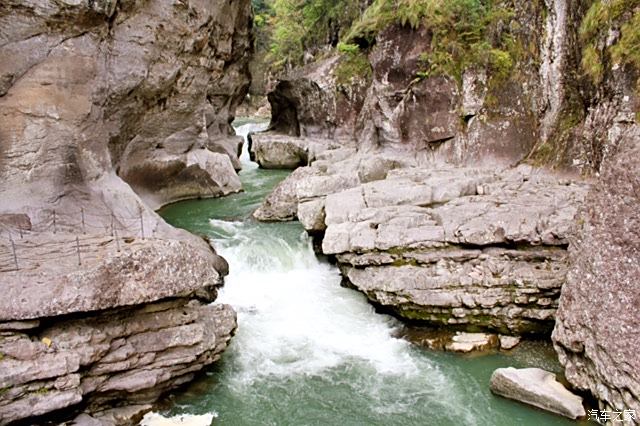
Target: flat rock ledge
[(477, 249), (109, 335), (539, 388), (111, 364)]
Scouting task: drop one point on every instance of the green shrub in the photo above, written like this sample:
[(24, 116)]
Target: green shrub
[(627, 50), (303, 25), (592, 63), (348, 48)]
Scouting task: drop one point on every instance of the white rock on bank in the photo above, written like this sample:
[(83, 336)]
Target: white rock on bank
[(508, 342), (537, 387), (468, 342)]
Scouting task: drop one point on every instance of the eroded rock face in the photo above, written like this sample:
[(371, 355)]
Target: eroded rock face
[(311, 102), (130, 355), (595, 333), (145, 90)]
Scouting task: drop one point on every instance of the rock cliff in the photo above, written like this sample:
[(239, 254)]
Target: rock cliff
[(109, 109), (596, 328), (145, 91)]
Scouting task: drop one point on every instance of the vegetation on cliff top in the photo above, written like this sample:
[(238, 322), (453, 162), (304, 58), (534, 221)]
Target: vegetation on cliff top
[(304, 26), (620, 18), (464, 33)]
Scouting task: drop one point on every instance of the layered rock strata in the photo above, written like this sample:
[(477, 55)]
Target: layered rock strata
[(131, 354), (470, 248)]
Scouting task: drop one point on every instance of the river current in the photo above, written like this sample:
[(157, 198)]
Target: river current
[(310, 352)]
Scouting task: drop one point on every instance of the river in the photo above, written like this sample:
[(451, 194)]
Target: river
[(310, 352)]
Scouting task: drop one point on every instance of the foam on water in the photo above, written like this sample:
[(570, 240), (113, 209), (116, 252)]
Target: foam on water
[(155, 419), (295, 320)]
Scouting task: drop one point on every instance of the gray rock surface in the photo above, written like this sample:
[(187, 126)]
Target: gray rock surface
[(508, 342), (470, 342), (276, 151), (471, 248), (598, 318), (145, 270), (92, 88), (282, 203), (108, 110), (537, 387)]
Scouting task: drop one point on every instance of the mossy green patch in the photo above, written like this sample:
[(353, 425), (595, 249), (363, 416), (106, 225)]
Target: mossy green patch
[(552, 152), (601, 19), (299, 26), (41, 391), (354, 66)]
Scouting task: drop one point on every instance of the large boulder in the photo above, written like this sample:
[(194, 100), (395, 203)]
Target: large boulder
[(282, 203), (276, 151), (537, 387)]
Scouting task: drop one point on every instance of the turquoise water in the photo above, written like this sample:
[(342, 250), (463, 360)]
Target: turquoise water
[(310, 352)]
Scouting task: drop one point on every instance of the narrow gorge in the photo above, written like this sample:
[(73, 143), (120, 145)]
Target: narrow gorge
[(421, 195)]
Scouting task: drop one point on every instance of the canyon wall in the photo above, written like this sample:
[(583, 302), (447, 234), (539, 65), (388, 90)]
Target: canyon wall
[(108, 110)]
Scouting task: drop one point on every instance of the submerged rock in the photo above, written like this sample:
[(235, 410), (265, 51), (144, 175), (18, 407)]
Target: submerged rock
[(537, 387)]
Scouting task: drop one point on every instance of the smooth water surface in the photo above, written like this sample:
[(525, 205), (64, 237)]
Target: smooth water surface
[(309, 352)]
